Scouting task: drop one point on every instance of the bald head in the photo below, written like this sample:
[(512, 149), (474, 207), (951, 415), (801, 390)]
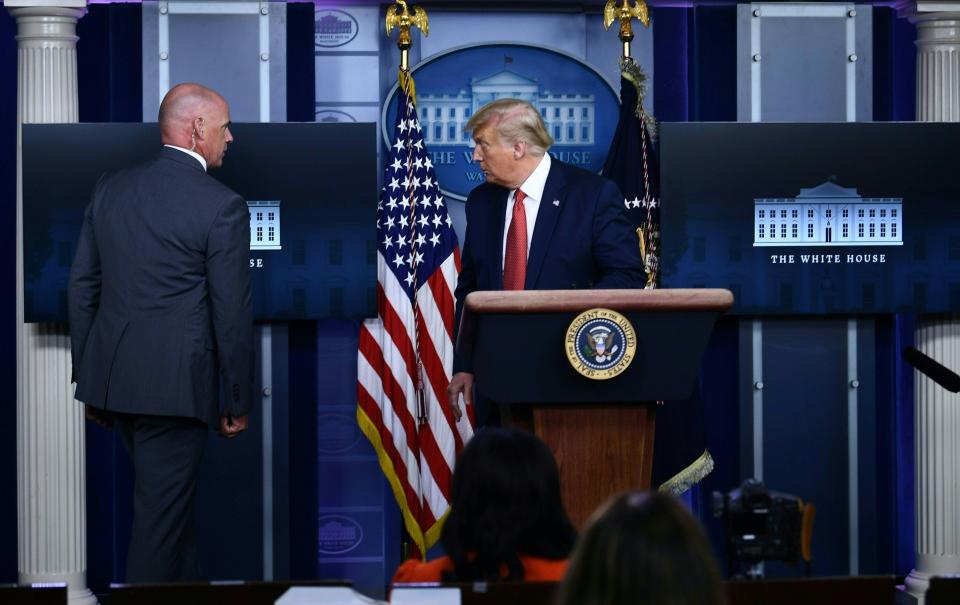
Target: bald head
[(197, 118)]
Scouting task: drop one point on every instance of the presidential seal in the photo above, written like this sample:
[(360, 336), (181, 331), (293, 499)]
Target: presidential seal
[(600, 344)]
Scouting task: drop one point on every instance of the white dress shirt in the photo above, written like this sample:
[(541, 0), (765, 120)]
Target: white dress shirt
[(533, 188)]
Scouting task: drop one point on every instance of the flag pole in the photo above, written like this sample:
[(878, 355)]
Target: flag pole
[(401, 17)]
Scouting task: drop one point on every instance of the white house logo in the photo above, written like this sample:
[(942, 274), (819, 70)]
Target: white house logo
[(332, 28), (578, 106), (329, 116), (337, 433), (264, 225), (828, 215), (600, 343), (338, 534)]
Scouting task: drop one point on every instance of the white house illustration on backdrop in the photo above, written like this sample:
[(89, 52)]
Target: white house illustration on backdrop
[(569, 117), (828, 215), (264, 225)]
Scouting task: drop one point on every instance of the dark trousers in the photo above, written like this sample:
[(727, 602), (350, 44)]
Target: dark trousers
[(166, 453)]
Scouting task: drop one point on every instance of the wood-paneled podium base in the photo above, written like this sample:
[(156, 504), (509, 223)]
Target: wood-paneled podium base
[(601, 450), (601, 431)]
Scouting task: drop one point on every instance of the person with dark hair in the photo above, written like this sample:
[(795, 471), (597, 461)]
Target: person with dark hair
[(642, 548), (506, 520)]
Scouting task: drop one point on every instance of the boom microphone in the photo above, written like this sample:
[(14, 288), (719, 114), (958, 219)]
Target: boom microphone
[(930, 368)]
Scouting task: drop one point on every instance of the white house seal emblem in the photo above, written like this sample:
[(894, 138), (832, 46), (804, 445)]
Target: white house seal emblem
[(600, 343)]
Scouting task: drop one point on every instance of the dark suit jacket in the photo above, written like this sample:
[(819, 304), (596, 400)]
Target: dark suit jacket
[(159, 296), (585, 240)]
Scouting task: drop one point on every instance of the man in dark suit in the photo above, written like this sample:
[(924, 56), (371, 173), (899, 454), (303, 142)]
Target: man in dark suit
[(537, 223), (159, 304)]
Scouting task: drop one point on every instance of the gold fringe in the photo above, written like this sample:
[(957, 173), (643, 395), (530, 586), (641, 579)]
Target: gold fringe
[(630, 71), (423, 540), (690, 476)]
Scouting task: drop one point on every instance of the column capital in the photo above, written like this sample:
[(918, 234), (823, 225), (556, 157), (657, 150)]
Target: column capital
[(45, 3), (927, 10), (35, 10)]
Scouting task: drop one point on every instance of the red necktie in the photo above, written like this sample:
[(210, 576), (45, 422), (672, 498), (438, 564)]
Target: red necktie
[(515, 257)]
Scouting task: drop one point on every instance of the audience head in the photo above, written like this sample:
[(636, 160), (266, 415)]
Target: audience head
[(505, 501), (197, 118), (645, 549)]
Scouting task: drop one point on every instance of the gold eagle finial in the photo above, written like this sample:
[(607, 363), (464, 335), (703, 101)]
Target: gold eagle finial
[(625, 13), (400, 17)]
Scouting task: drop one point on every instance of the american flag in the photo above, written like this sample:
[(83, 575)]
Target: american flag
[(406, 354)]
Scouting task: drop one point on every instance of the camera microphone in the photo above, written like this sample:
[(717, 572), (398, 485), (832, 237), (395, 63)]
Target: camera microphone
[(932, 369)]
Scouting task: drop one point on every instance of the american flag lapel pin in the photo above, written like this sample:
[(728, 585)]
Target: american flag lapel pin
[(556, 202)]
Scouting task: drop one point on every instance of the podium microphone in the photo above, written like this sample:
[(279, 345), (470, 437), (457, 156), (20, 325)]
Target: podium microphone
[(930, 368)]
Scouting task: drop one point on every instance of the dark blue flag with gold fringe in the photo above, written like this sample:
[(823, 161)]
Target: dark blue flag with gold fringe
[(680, 455)]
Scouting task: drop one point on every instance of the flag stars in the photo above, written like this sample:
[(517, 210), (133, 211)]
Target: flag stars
[(397, 164), (398, 261), (387, 242), (392, 204), (435, 238), (421, 239), (399, 144), (403, 221), (393, 184), (436, 221)]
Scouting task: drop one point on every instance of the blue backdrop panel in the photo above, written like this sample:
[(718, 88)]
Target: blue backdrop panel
[(851, 225), (311, 240), (803, 421), (358, 525)]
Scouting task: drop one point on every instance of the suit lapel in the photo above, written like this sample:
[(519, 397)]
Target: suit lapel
[(498, 212), (546, 220)]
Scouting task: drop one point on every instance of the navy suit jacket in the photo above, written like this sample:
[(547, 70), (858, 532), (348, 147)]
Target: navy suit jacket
[(159, 295), (582, 238)]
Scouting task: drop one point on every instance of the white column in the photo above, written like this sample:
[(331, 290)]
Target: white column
[(937, 427), (938, 66), (51, 493), (937, 411)]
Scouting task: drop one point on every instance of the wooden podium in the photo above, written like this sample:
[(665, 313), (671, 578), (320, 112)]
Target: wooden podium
[(601, 431)]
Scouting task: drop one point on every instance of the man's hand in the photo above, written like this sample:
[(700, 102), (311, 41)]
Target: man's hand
[(460, 384), (101, 417), (231, 426)]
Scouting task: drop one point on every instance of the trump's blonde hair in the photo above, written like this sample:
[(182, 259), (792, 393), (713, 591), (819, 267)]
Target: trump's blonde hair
[(514, 120)]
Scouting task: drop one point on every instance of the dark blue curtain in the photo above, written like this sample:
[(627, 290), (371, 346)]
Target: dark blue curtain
[(8, 301)]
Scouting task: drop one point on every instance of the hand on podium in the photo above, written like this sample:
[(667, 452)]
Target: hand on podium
[(461, 383), (231, 426)]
